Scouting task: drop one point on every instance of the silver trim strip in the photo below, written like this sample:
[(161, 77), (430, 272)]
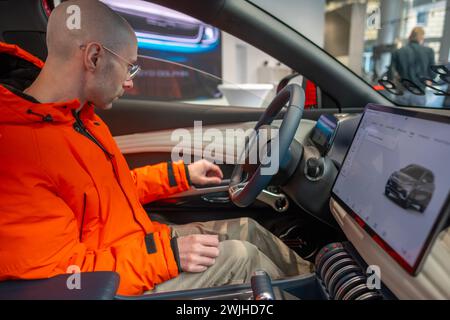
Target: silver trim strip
[(201, 191)]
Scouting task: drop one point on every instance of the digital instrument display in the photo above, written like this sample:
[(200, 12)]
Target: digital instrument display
[(395, 180), (324, 132)]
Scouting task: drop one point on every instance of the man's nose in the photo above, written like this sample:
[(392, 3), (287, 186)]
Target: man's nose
[(128, 84)]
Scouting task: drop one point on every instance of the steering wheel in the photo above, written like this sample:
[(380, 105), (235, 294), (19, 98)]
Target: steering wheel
[(248, 180)]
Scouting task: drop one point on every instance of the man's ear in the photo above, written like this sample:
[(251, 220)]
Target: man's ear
[(91, 56)]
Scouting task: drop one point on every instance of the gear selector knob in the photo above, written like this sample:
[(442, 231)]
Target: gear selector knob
[(262, 286)]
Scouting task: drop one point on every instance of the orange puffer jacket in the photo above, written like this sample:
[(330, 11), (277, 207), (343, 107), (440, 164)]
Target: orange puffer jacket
[(67, 195)]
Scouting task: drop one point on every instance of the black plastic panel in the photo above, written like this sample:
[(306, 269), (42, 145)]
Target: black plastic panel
[(302, 287), (23, 22), (94, 286), (136, 116)]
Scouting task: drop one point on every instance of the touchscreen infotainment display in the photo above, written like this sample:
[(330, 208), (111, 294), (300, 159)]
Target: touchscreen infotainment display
[(395, 180)]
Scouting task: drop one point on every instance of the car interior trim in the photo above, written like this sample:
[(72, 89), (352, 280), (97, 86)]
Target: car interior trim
[(433, 281)]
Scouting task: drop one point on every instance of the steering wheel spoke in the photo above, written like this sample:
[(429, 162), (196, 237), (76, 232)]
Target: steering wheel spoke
[(267, 147)]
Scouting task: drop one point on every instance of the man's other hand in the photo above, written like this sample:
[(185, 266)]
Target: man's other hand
[(203, 172), (198, 252)]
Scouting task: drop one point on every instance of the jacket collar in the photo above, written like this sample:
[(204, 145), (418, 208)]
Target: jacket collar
[(16, 51), (17, 109)]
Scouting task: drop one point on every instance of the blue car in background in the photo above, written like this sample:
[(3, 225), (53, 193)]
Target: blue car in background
[(159, 28)]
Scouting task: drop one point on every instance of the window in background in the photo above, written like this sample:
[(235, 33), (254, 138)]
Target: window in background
[(387, 26), (172, 46), (186, 60)]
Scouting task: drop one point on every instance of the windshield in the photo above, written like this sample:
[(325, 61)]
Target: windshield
[(167, 80), (413, 171), (185, 60), (400, 47)]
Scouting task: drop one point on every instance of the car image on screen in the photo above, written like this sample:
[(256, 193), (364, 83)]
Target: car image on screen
[(411, 187)]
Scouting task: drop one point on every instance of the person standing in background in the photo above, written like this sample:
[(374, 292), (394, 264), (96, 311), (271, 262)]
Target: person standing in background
[(412, 62)]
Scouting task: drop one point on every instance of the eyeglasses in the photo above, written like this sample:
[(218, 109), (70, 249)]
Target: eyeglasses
[(133, 69)]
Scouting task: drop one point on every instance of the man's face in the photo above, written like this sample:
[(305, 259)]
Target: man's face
[(112, 78)]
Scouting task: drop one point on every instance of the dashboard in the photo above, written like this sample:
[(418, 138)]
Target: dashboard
[(388, 252), (333, 134), (341, 268), (389, 194)]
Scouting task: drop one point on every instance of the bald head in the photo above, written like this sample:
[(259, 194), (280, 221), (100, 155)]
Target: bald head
[(91, 52), (96, 22)]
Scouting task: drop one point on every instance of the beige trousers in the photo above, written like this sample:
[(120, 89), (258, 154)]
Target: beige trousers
[(245, 246)]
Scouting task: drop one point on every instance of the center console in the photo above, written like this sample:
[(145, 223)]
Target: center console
[(340, 275)]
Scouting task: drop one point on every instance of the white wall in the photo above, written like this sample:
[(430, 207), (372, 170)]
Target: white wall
[(240, 61), (306, 16)]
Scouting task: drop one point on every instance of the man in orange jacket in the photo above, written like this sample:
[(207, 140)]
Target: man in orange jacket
[(67, 197)]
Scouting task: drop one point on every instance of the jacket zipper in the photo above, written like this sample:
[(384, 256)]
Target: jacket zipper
[(80, 128), (82, 218)]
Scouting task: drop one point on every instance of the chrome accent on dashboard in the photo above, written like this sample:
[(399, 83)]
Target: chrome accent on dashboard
[(278, 201), (335, 268), (198, 191), (314, 168), (346, 286), (353, 293), (328, 262), (341, 275), (238, 295), (235, 189), (336, 276)]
